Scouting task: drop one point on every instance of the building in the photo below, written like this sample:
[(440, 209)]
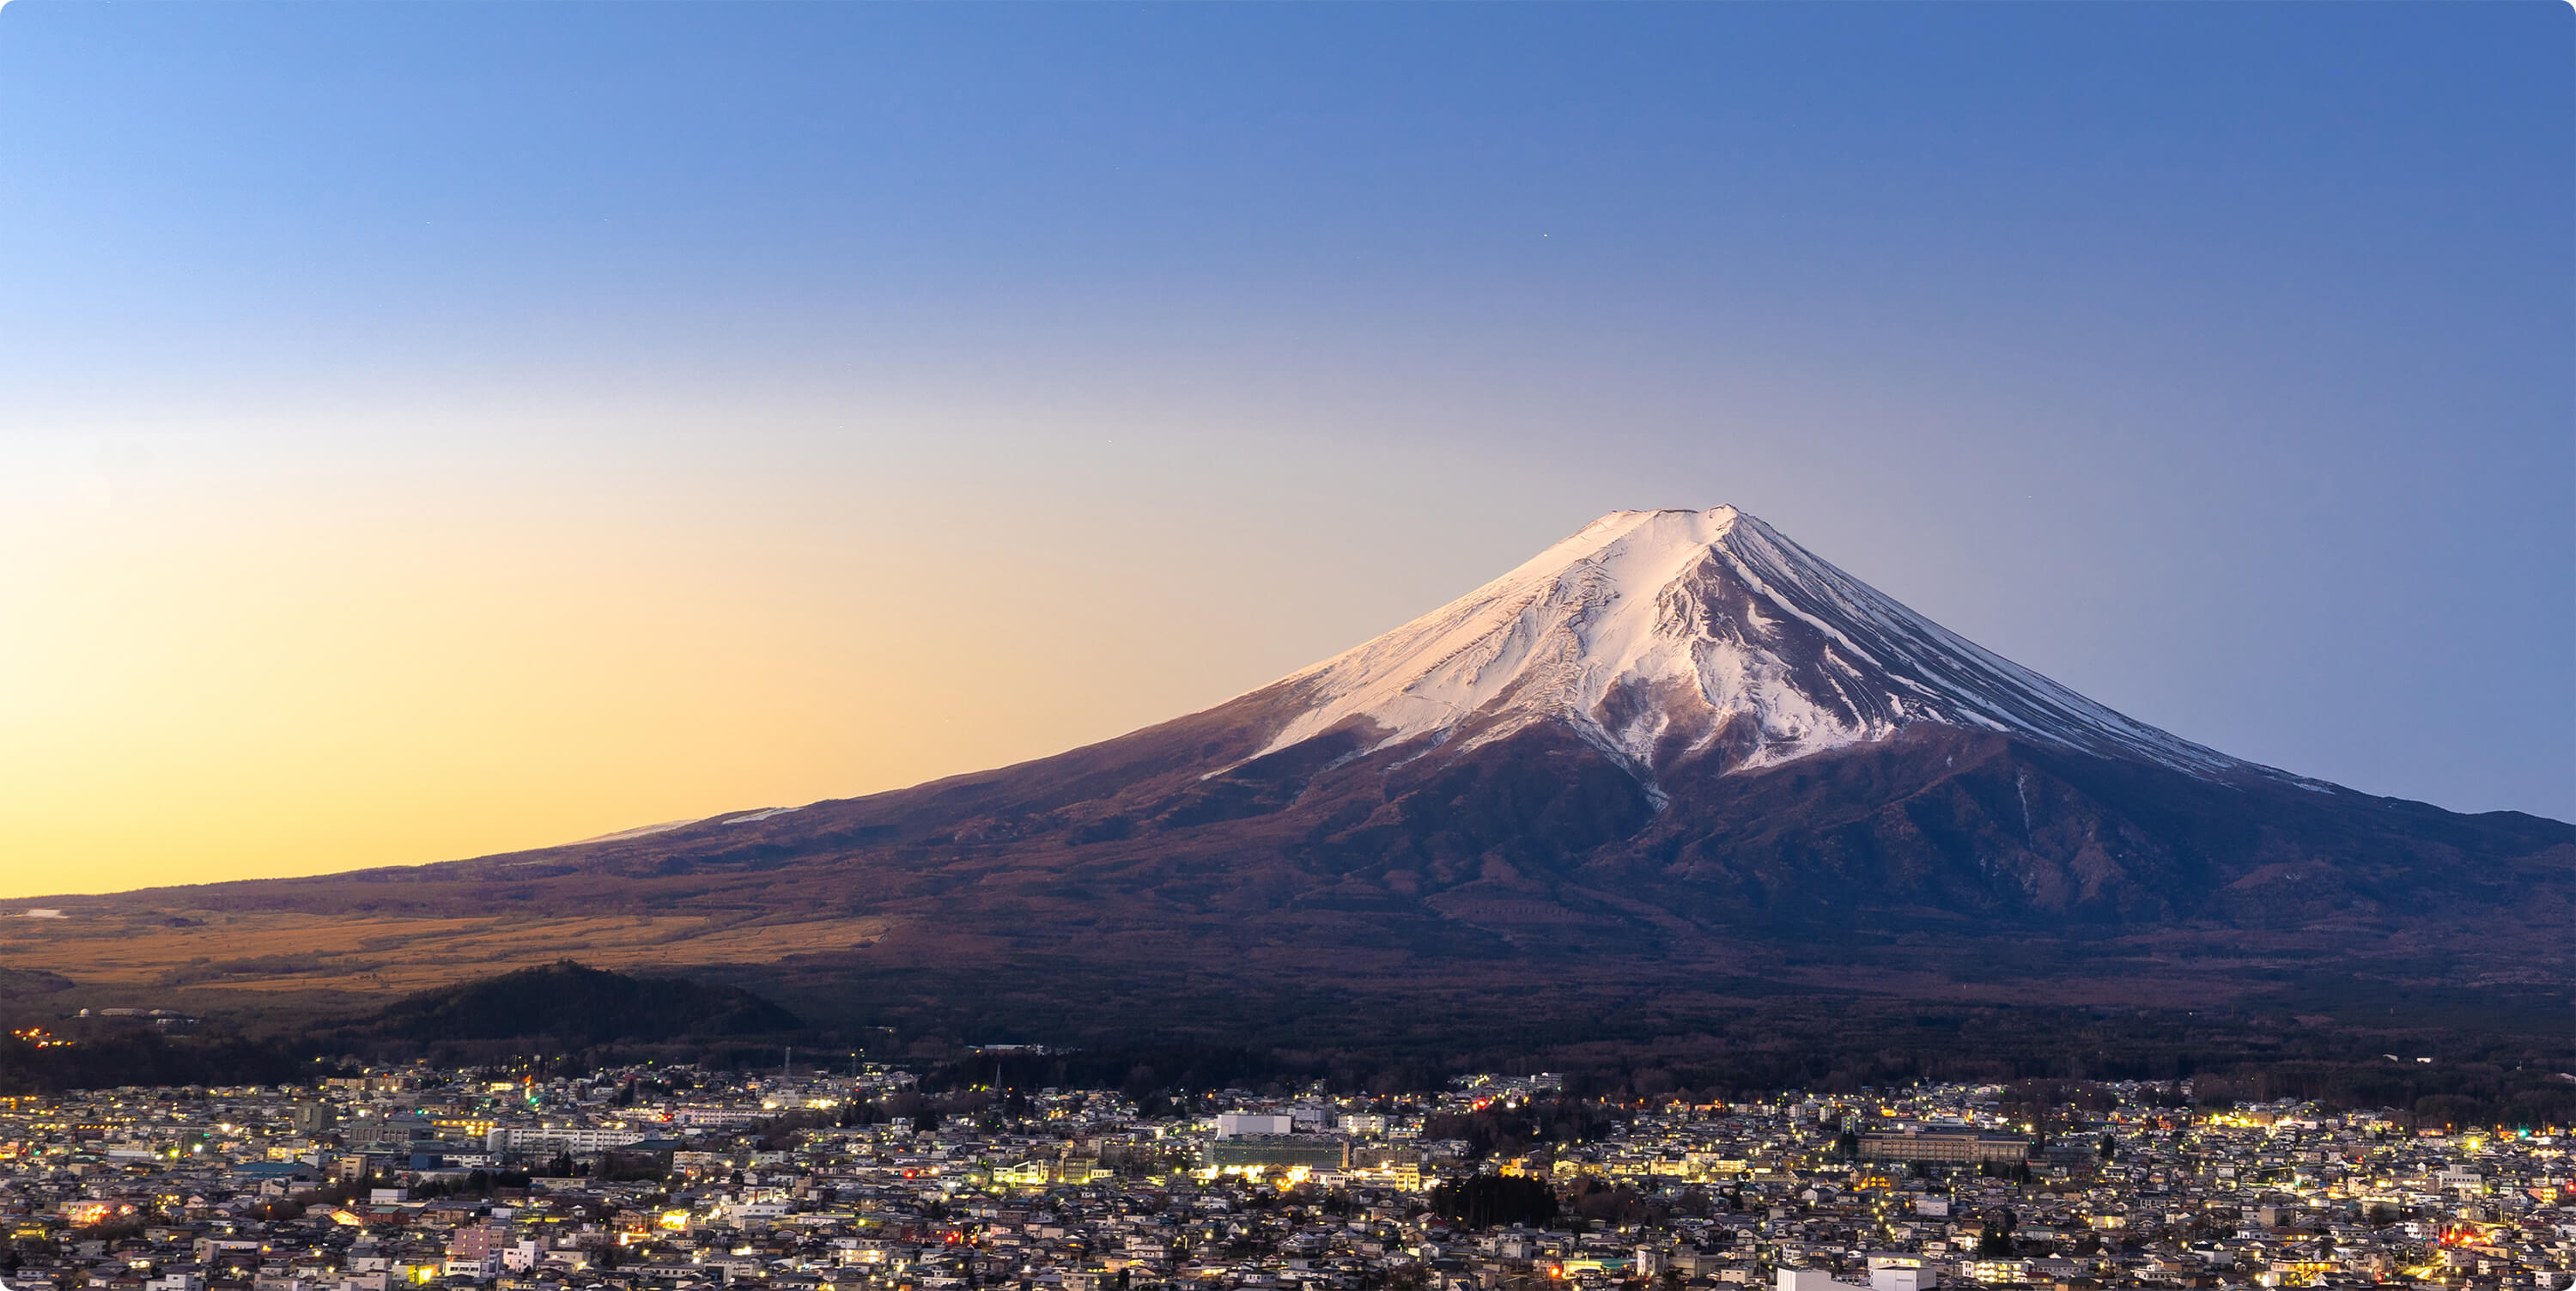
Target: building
[(1943, 1147), (560, 1138), (1235, 1124), (1898, 1271), (1814, 1280), (1278, 1151)]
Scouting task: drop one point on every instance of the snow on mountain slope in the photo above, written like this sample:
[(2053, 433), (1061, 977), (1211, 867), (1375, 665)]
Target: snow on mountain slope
[(1666, 636)]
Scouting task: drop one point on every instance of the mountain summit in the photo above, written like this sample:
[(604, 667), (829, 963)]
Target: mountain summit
[(1668, 638)]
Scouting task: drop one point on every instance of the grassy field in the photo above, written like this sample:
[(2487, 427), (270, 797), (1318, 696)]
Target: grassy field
[(136, 960)]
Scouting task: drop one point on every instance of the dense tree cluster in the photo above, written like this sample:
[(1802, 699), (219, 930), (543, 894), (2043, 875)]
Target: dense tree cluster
[(1494, 1200), (2490, 1068), (107, 1056)]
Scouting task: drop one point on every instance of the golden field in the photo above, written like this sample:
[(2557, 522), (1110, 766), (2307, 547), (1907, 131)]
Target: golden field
[(132, 955)]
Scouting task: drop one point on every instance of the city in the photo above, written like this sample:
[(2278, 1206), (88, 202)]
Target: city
[(680, 1178)]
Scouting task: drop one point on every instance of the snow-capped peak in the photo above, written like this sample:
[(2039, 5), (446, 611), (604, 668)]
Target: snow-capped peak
[(1667, 636)]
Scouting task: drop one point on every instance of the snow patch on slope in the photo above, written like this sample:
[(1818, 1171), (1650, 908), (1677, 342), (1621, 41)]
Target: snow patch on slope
[(1663, 635), (640, 831)]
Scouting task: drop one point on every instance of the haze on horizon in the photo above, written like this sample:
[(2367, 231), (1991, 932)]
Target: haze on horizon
[(431, 430)]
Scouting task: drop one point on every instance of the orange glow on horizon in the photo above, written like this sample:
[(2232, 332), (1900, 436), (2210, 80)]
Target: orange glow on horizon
[(270, 676)]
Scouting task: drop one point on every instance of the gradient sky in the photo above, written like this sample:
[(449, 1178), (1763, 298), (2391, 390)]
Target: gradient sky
[(429, 430)]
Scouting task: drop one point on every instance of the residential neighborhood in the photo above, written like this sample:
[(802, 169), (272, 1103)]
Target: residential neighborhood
[(677, 1179)]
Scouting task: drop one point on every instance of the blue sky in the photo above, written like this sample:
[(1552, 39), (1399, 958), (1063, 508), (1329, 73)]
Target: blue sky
[(2214, 359)]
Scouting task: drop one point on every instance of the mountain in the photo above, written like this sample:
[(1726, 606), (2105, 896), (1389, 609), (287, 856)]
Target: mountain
[(1672, 764), (1667, 639), (572, 1005)]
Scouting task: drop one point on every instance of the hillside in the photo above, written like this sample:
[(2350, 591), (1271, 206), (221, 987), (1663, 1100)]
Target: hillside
[(570, 1005)]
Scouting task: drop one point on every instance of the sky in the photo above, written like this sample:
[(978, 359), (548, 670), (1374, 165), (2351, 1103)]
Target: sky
[(429, 430)]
